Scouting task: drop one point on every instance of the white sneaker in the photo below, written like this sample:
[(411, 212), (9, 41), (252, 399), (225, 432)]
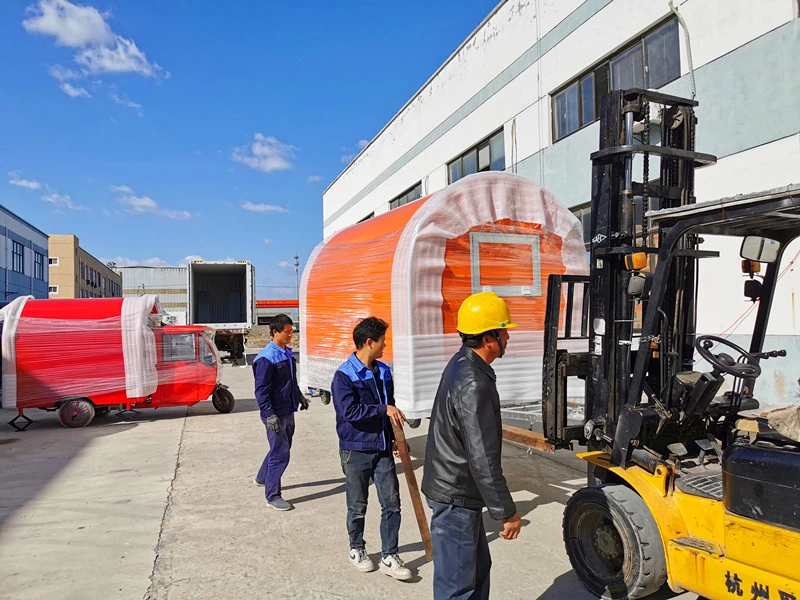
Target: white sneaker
[(392, 565), (361, 560)]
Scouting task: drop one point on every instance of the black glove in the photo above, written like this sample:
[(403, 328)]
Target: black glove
[(303, 402), (274, 423)]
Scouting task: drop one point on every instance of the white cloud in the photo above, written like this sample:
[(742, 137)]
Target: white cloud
[(362, 144), (74, 92), (122, 57), (73, 26), (127, 102), (154, 261), (265, 154), (122, 261), (285, 264), (346, 158), (188, 259), (263, 208), (62, 201), (144, 205), (98, 48), (62, 73), (314, 178), (15, 179), (267, 241)]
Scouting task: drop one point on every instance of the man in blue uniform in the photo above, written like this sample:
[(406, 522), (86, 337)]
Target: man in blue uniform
[(363, 396), (278, 398)]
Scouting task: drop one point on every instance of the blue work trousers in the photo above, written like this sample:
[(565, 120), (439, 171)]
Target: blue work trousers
[(277, 459), (358, 469), (461, 559)]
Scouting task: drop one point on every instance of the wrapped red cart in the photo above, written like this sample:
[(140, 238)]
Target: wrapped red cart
[(82, 357)]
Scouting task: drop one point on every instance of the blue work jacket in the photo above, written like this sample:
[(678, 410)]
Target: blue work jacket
[(361, 420), (277, 392)]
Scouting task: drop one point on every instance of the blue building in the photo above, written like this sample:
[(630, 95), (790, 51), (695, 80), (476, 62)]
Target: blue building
[(23, 260)]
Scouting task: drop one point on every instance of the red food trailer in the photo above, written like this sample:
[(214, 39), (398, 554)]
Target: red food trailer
[(82, 357)]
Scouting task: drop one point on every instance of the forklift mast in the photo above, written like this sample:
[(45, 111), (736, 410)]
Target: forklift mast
[(623, 253)]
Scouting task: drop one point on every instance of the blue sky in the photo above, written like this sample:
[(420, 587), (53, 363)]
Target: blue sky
[(159, 130)]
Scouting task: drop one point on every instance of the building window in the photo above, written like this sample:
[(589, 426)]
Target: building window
[(651, 61), (411, 194), (17, 257), (38, 266), (53, 289), (53, 261), (487, 155)]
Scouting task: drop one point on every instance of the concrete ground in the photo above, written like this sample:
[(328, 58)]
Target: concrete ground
[(162, 506)]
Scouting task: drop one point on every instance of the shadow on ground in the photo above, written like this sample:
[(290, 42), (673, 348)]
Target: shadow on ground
[(30, 459)]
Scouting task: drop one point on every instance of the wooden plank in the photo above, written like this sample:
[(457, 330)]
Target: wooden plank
[(413, 489), (528, 439)]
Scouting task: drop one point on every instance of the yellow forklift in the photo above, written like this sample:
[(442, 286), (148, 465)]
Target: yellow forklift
[(686, 485)]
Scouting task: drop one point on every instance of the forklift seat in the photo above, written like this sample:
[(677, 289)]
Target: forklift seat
[(762, 483)]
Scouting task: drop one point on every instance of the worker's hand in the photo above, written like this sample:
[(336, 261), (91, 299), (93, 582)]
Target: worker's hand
[(396, 448), (395, 415), (303, 402), (274, 423), (511, 527)]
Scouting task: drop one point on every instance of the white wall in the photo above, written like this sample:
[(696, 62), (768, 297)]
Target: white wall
[(483, 86)]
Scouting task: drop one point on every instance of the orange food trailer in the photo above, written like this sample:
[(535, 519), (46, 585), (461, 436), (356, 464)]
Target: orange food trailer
[(413, 266)]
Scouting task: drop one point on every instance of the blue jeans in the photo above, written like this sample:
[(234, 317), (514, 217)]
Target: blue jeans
[(358, 469), (461, 560), (277, 459)]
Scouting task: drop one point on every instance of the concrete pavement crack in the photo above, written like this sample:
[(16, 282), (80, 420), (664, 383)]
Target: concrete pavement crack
[(149, 594)]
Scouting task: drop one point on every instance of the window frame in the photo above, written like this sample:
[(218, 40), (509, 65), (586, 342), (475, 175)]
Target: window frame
[(485, 142), (38, 266), (177, 358), (17, 257), (410, 195), (604, 65)]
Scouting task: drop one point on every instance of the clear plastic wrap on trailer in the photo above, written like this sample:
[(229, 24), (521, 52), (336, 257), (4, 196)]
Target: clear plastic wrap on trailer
[(414, 265), (104, 350)]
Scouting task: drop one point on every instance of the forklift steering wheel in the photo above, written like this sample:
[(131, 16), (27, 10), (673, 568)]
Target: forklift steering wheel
[(725, 363)]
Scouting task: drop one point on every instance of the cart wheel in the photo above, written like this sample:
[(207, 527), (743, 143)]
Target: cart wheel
[(326, 397), (76, 413), (223, 400), (414, 423), (613, 542)]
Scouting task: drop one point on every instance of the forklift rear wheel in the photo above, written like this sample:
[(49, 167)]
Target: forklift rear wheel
[(76, 413), (414, 423), (326, 397), (613, 542), (223, 400)]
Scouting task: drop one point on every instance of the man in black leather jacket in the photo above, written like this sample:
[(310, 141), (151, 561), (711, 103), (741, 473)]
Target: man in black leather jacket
[(462, 460)]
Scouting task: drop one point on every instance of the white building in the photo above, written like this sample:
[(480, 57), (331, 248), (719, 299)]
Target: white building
[(521, 94)]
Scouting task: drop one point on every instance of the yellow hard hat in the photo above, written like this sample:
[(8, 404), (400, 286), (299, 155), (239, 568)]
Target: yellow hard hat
[(482, 312)]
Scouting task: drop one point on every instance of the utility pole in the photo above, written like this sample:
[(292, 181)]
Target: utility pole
[(297, 276)]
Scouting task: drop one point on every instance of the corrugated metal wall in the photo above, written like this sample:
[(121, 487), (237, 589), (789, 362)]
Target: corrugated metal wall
[(168, 283)]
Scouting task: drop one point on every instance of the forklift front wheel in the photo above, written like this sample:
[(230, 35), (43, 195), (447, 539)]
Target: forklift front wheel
[(77, 412), (326, 397), (223, 400), (414, 423), (613, 542)]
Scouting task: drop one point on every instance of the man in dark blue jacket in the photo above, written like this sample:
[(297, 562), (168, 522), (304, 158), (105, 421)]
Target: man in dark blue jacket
[(278, 397), (363, 396)]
